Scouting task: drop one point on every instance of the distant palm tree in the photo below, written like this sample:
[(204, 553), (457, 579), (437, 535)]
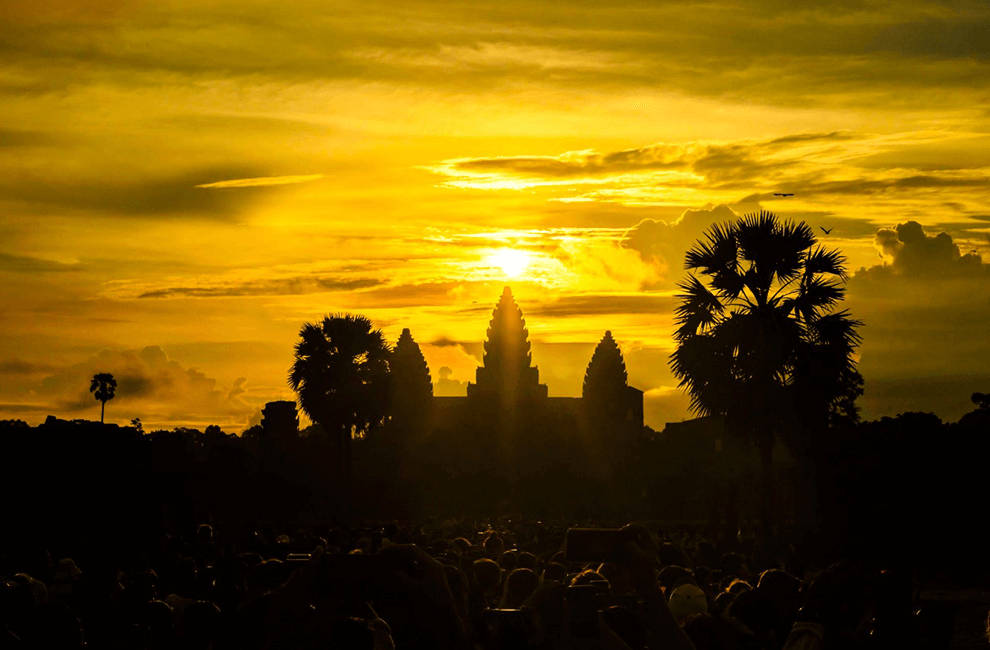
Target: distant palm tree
[(761, 334), (341, 374), (103, 387)]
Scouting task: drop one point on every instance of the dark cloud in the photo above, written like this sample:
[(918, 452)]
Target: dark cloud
[(948, 396), (14, 138), (664, 243), (122, 195), (587, 305), (26, 264), (718, 163), (444, 386), (771, 50), (300, 285), (444, 342), (147, 382), (406, 295), (20, 367), (907, 249), (925, 313)]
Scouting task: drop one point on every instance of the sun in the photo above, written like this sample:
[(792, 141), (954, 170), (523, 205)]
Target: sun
[(512, 261)]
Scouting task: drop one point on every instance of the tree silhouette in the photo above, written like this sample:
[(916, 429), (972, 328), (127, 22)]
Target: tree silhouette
[(103, 387), (760, 340), (341, 375)]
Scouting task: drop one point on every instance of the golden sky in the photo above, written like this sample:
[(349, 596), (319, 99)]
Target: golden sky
[(184, 184)]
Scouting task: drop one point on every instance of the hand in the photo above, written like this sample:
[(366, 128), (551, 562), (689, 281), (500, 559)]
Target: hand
[(640, 555), (291, 604), (432, 603)]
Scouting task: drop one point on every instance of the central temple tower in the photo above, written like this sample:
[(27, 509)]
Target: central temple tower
[(508, 372)]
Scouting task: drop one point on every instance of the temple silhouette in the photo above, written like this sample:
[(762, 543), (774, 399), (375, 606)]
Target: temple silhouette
[(507, 402)]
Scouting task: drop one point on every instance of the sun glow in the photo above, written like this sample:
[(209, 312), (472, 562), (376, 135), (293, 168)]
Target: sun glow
[(512, 262)]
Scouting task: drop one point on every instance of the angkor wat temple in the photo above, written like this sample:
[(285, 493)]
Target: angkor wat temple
[(507, 400)]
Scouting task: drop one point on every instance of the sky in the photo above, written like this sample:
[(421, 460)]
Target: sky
[(184, 184)]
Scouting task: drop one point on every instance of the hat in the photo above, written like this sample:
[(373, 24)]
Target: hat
[(686, 601)]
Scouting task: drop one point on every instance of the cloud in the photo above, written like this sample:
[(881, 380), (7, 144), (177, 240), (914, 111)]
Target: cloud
[(300, 285), (27, 264), (925, 310), (263, 181), (17, 138), (444, 386), (149, 386), (17, 366), (130, 194), (664, 243), (907, 249), (444, 342), (689, 164), (604, 304)]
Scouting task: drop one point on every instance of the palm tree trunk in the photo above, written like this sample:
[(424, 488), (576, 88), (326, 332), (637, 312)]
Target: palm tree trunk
[(766, 489), (348, 463), (103, 408)]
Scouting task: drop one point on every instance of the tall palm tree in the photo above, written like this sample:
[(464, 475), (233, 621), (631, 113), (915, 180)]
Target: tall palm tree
[(341, 375), (759, 339), (103, 387)]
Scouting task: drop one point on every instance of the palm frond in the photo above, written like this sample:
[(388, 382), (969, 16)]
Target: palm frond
[(698, 310), (837, 329), (823, 260), (818, 295)]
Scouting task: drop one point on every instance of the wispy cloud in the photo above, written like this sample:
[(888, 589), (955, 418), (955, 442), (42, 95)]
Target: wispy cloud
[(263, 181)]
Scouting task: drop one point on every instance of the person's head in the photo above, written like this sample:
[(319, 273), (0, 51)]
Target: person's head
[(507, 561), (734, 564), (672, 554), (671, 576), (555, 571), (526, 560), (462, 545), (488, 573), (458, 588), (185, 577), (783, 589), (519, 585), (704, 555), (756, 612), (586, 577), (204, 535), (200, 623), (493, 545)]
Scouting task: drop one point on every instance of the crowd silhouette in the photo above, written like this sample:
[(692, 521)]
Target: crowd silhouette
[(504, 521)]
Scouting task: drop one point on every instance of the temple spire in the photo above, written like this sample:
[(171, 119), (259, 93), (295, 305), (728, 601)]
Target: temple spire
[(507, 360)]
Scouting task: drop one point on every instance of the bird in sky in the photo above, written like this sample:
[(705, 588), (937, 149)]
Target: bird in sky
[(782, 194), (827, 232)]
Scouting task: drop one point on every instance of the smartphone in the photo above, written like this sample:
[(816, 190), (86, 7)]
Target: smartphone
[(297, 558), (594, 544), (582, 611)]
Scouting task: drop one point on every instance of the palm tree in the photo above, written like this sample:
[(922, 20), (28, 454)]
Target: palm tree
[(341, 375), (759, 340), (103, 387)]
